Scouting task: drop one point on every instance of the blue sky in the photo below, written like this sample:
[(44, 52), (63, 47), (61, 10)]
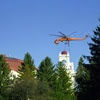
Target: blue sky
[(25, 25)]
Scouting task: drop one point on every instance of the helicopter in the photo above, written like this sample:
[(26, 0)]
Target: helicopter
[(66, 38)]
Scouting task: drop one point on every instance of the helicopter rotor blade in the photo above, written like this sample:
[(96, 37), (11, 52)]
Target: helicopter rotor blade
[(65, 36), (71, 33), (56, 35)]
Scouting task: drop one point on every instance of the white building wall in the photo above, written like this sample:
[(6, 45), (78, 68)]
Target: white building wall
[(13, 74), (67, 64)]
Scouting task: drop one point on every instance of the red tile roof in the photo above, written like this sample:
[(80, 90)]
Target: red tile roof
[(14, 63)]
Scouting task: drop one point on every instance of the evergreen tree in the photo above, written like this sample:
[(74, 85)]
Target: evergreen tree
[(90, 89), (94, 66), (95, 47), (29, 61), (43, 91), (63, 89), (82, 80), (46, 71), (46, 78), (4, 79), (25, 86)]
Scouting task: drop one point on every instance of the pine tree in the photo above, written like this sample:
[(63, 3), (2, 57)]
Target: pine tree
[(29, 61), (94, 66), (46, 70), (4, 78), (90, 89), (24, 87), (82, 79), (63, 85), (46, 79), (95, 47), (43, 91)]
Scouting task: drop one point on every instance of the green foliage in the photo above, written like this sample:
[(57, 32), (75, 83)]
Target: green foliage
[(50, 84), (29, 61), (82, 79), (63, 85), (46, 70), (29, 87), (89, 80), (4, 79), (46, 78), (24, 87), (59, 82), (95, 47), (43, 91), (95, 65), (82, 74)]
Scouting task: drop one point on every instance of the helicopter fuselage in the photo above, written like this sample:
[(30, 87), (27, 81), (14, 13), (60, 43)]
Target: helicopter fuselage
[(69, 39)]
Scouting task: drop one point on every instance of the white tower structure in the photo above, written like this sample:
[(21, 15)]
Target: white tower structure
[(64, 57)]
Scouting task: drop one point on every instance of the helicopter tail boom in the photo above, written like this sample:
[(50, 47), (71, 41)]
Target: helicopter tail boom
[(69, 39), (78, 38)]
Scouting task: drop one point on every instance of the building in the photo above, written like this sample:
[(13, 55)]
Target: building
[(64, 57), (14, 65)]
